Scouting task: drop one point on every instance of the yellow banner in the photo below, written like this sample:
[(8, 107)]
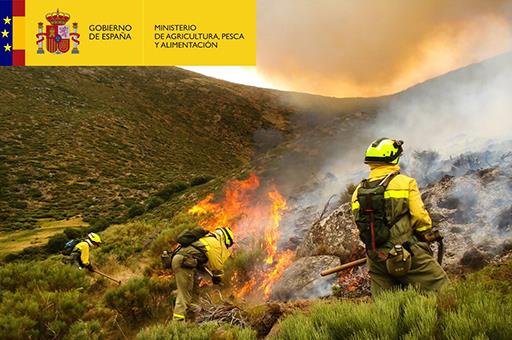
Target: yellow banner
[(148, 32)]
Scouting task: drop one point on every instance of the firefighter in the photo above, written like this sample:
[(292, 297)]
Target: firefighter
[(209, 252), (81, 252), (394, 224)]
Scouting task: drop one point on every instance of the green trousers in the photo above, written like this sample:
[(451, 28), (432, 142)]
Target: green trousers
[(185, 282), (425, 274)]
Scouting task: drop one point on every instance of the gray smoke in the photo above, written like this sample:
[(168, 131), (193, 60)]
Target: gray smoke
[(456, 125), (373, 47)]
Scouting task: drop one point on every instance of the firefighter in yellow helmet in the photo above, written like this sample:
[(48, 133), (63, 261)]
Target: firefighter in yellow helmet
[(394, 224), (209, 252), (81, 252)]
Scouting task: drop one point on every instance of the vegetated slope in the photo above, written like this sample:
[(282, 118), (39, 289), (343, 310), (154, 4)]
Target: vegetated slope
[(94, 141), (145, 300)]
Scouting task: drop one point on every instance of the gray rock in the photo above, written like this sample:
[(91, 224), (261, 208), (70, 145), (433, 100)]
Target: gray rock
[(302, 279), (335, 235)]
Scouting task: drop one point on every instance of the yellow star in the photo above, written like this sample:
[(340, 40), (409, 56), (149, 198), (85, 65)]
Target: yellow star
[(5, 33), (7, 21), (7, 48)]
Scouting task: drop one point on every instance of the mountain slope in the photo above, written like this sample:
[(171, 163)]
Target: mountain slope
[(94, 141), (88, 139)]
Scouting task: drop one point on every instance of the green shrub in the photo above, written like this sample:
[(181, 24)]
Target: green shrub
[(135, 210), (476, 312), (17, 327), (34, 193), (118, 220), (170, 189), (76, 169), (72, 233), (39, 314), (18, 204), (84, 331), (413, 316), (128, 202), (166, 238), (140, 299), (199, 180), (41, 275), (478, 308), (154, 202), (98, 224), (184, 331), (23, 179), (29, 253), (56, 243)]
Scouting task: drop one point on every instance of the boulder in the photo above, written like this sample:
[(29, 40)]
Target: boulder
[(302, 280), (335, 235)]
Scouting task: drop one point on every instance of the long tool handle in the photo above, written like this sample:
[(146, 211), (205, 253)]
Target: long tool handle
[(108, 277), (344, 266)]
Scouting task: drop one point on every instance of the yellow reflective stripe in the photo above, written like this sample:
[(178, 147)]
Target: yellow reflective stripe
[(178, 316), (355, 205), (427, 227), (230, 233), (224, 233), (206, 245), (396, 193)]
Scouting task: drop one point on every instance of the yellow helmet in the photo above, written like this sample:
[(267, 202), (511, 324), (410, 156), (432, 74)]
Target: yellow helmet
[(94, 238), (228, 235), (384, 150)]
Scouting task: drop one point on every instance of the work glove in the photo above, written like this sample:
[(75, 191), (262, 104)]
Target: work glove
[(217, 280), (89, 267)]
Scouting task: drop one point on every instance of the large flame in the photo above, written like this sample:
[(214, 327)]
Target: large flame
[(254, 214), (271, 234)]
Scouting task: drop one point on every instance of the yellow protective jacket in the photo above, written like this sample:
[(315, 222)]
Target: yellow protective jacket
[(83, 247), (401, 195), (214, 247)]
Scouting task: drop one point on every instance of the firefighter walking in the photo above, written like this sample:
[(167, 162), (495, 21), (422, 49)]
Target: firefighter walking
[(394, 224), (209, 252)]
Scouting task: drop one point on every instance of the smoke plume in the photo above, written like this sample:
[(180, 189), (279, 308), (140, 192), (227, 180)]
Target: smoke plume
[(375, 47)]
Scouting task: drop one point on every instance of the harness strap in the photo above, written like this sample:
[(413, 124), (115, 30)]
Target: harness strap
[(397, 218), (388, 178)]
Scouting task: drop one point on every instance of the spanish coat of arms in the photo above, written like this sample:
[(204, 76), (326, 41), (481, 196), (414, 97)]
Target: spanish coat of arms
[(58, 35)]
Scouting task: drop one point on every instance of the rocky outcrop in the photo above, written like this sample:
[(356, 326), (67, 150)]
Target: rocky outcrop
[(334, 235), (473, 213), (302, 279), (472, 210)]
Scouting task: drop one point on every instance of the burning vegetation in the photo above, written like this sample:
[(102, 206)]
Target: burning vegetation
[(254, 212)]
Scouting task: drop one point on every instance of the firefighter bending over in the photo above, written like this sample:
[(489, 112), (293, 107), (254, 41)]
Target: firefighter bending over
[(210, 252), (81, 251)]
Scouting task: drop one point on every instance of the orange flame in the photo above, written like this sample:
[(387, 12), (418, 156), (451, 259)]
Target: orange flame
[(271, 234), (283, 261), (252, 213), (237, 195)]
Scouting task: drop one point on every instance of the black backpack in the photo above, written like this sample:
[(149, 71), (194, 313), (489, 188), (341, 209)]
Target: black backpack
[(190, 236), (69, 246), (371, 219)]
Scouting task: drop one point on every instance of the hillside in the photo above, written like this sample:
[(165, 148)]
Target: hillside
[(93, 141), (127, 151)]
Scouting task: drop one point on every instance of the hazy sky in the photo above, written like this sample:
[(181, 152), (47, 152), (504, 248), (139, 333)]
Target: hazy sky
[(369, 47)]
